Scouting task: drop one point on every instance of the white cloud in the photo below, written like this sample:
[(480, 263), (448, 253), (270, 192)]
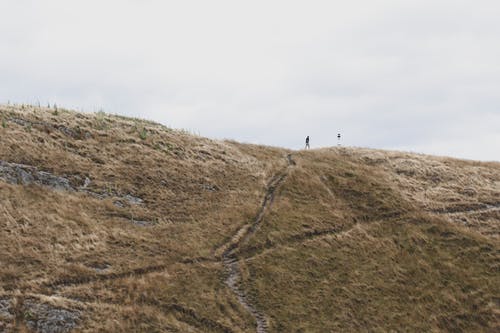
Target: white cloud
[(391, 74)]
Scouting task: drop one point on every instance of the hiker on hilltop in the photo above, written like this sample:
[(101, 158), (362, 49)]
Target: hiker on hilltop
[(307, 143)]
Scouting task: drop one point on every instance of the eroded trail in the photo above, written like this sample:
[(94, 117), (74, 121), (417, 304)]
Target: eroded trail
[(180, 312), (483, 208), (136, 272), (231, 260)]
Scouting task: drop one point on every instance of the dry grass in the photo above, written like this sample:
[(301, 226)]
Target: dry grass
[(355, 239)]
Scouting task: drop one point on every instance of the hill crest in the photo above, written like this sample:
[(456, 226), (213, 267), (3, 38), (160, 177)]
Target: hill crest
[(119, 224)]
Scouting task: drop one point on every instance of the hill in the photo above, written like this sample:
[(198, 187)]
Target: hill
[(113, 224)]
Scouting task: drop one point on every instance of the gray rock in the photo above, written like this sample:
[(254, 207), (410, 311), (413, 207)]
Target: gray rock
[(57, 182), (44, 318), (22, 174), (133, 200), (6, 310), (67, 131), (122, 201), (118, 203), (142, 223), (75, 133), (14, 173), (210, 188), (100, 267), (86, 182), (7, 174), (19, 121)]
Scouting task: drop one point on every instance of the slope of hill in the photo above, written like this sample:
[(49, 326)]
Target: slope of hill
[(113, 224)]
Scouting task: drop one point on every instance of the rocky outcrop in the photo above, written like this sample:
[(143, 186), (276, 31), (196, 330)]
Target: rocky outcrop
[(39, 317), (22, 174), (44, 318)]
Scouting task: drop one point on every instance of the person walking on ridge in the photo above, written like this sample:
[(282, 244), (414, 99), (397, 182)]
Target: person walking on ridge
[(307, 143)]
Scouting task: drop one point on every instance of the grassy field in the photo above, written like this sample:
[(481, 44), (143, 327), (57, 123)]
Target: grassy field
[(113, 224)]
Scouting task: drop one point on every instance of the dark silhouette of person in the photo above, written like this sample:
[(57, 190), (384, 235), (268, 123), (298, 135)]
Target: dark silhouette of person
[(307, 143)]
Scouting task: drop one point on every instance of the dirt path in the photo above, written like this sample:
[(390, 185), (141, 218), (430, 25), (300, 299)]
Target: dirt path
[(474, 209), (136, 272), (228, 255), (230, 258), (253, 251), (482, 210)]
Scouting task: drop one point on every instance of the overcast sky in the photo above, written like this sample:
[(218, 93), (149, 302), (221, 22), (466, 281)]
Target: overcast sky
[(412, 75)]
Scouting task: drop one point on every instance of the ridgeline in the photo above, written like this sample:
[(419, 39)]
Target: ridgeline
[(114, 224)]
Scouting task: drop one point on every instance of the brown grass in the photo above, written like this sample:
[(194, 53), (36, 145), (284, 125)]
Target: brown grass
[(355, 239)]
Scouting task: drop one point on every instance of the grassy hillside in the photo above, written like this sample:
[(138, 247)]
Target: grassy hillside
[(112, 224)]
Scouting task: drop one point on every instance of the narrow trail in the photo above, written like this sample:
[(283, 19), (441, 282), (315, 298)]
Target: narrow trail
[(486, 208), (182, 313), (230, 258), (137, 272), (253, 251)]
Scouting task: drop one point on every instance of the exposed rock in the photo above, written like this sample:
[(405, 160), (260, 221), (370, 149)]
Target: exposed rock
[(209, 187), (118, 203), (75, 133), (44, 318), (142, 223), (24, 174), (20, 121), (86, 183), (127, 199), (40, 317), (5, 310), (100, 267), (6, 316), (132, 200)]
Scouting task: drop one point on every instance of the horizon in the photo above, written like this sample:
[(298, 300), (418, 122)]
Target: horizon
[(419, 76), (195, 133)]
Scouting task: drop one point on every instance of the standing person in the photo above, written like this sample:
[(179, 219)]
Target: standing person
[(307, 143)]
